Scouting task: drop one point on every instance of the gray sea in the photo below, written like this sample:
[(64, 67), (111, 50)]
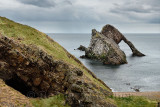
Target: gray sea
[(140, 72)]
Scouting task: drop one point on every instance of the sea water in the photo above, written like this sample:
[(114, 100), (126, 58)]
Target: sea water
[(140, 72)]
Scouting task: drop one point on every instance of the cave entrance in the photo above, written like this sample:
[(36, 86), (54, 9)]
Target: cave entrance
[(19, 85)]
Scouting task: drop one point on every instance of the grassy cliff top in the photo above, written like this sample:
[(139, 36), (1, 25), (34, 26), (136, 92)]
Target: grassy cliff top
[(30, 36)]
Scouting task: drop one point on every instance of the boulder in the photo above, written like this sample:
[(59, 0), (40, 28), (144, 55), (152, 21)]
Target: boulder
[(82, 48)]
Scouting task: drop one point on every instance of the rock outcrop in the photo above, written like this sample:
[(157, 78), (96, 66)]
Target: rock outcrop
[(32, 71), (39, 73), (104, 46)]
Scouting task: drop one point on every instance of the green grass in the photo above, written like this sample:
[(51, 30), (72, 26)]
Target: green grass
[(133, 101), (32, 36), (55, 101)]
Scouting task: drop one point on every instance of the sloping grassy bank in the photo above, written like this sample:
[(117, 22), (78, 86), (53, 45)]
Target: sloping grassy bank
[(55, 101), (24, 34), (133, 101), (28, 35)]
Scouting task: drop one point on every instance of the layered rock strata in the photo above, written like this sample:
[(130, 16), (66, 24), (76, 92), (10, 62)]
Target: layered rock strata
[(30, 69)]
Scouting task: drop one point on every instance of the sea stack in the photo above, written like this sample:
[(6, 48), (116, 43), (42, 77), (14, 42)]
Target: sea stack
[(104, 46)]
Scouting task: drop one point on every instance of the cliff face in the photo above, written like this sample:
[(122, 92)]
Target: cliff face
[(32, 62), (104, 46)]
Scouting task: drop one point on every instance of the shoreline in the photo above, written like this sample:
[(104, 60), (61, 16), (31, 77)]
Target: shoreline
[(152, 95)]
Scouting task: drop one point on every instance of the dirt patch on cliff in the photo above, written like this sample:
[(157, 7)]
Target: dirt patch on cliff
[(12, 98)]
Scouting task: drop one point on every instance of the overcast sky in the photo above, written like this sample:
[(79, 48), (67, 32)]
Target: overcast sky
[(80, 16)]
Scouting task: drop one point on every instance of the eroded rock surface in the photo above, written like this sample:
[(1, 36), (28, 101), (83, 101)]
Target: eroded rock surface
[(105, 50), (113, 33), (30, 69), (104, 46)]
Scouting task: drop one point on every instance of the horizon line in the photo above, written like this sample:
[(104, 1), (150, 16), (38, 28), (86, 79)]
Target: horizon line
[(90, 33)]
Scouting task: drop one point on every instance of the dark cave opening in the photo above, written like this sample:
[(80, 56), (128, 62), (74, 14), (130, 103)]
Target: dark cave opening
[(19, 85)]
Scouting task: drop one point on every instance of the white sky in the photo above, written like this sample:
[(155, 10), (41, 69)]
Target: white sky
[(80, 16)]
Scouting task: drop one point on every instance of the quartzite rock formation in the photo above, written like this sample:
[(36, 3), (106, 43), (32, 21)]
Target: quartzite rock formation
[(104, 46)]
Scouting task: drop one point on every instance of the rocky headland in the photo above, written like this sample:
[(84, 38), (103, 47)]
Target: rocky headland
[(104, 46), (34, 65)]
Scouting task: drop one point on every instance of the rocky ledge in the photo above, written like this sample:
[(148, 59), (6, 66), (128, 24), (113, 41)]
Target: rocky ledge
[(27, 69), (104, 46)]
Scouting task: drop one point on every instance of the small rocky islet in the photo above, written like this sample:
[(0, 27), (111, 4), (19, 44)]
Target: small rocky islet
[(104, 46)]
